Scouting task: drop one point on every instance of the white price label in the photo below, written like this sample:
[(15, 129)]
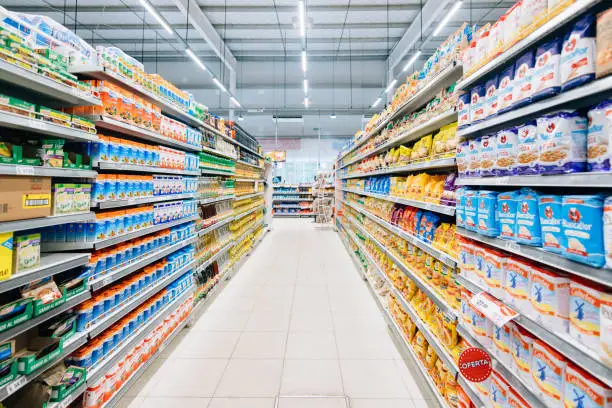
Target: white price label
[(502, 180), (36, 124), (107, 281), (493, 309), (512, 246), (24, 170), (15, 385)]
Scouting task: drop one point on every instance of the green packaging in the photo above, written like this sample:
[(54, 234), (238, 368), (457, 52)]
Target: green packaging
[(26, 252)]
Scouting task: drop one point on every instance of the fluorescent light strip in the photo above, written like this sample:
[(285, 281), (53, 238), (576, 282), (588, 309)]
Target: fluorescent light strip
[(304, 62), (376, 102), (390, 86), (411, 61), (157, 17), (447, 18), (235, 101), (306, 102), (219, 84), (306, 86), (302, 19), (196, 59)]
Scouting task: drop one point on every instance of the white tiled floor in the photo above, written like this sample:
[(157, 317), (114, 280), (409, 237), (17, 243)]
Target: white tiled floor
[(295, 321)]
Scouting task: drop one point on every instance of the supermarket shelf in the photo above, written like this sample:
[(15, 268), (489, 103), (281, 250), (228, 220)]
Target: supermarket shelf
[(244, 197), (292, 199), (71, 246), (411, 135), (506, 372), (296, 207), (216, 172), (48, 129), (442, 209), (248, 149), (218, 153), (554, 24), (100, 369), (104, 122), (32, 223), (143, 169), (445, 163), (142, 262), (216, 256), (216, 225), (50, 264), (300, 215), (66, 402), (53, 90), (414, 276), (252, 210), (599, 275), (248, 231), (238, 264), (445, 78), (436, 253), (594, 179), (293, 193), (586, 95), (136, 201), (249, 164), (102, 73), (206, 201), (70, 346), (231, 140), (578, 353), (114, 317), (250, 180), (34, 322)]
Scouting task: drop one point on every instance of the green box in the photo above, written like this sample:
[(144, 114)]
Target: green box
[(11, 374), (18, 106), (74, 287), (21, 317), (29, 361), (40, 308), (61, 391)]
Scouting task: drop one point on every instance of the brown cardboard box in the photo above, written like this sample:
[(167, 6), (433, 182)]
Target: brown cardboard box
[(23, 197)]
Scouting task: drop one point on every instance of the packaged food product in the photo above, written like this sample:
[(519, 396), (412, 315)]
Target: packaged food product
[(598, 136), (523, 70), (17, 106), (528, 150), (473, 159), (546, 79), (522, 348), (550, 223), (533, 13), (477, 104), (495, 265), (584, 390), (583, 230), (471, 210), (505, 89), (463, 107), (462, 158), (488, 155), (563, 142), (499, 391), (603, 63), (6, 255), (502, 342), (506, 209), (549, 297), (492, 96), (488, 224), (607, 225), (586, 301), (515, 400), (460, 211), (516, 286), (527, 218), (578, 54), (507, 152), (605, 338), (26, 251), (548, 372)]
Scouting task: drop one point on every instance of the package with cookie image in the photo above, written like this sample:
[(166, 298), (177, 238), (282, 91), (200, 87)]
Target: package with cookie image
[(562, 138), (598, 136), (528, 149)]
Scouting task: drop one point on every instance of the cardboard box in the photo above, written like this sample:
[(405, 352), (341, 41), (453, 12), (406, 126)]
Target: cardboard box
[(24, 197)]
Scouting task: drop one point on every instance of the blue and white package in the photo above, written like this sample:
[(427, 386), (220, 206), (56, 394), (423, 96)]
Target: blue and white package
[(546, 78), (460, 206), (471, 210), (463, 107), (487, 213), (523, 70), (506, 214), (562, 138), (473, 159), (492, 97), (578, 54), (477, 104), (528, 151), (598, 136), (505, 89), (507, 152), (583, 241), (461, 157), (528, 230), (488, 155), (550, 223)]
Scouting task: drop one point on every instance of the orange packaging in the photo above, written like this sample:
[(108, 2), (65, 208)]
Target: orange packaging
[(126, 105), (110, 100), (138, 111), (156, 117)]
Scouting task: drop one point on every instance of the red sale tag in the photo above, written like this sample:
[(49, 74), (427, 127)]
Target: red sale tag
[(493, 309), (475, 364)]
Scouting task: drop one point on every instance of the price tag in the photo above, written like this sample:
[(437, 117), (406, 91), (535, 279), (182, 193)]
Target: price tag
[(502, 180), (493, 309), (512, 247), (107, 281), (24, 170), (15, 385), (36, 124)]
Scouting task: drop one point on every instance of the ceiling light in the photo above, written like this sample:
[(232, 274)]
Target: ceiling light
[(376, 102), (219, 84), (306, 102), (447, 18), (157, 17), (240, 118), (390, 86), (304, 62), (305, 86), (411, 61), (302, 19), (195, 59), (332, 116), (235, 101)]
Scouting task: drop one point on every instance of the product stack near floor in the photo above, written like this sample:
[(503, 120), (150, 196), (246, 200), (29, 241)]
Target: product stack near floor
[(292, 200), (516, 264), (107, 214)]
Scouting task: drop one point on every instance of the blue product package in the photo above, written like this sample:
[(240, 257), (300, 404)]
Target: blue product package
[(550, 223), (528, 150), (477, 104), (463, 108), (71, 232), (488, 155), (582, 225), (471, 210), (507, 152), (473, 160), (59, 233), (523, 69), (546, 79), (460, 207), (488, 224), (97, 191), (578, 54), (599, 134), (121, 184), (90, 231), (506, 214), (562, 139), (461, 157), (492, 96), (417, 222), (505, 89), (528, 229)]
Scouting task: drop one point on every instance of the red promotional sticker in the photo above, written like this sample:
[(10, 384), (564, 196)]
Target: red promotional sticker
[(475, 364)]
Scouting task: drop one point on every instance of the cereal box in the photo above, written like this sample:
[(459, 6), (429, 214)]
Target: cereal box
[(528, 152), (522, 350), (548, 372), (507, 152), (550, 222), (583, 229), (549, 297), (516, 286), (598, 136), (563, 142), (506, 214), (578, 54), (585, 302), (582, 390), (527, 218)]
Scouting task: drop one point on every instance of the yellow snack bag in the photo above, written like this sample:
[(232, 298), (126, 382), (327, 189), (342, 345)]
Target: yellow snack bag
[(425, 146), (404, 154)]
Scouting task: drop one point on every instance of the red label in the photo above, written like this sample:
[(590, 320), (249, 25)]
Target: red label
[(475, 364)]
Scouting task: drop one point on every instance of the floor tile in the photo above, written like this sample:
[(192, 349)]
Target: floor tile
[(311, 320), (365, 345), (267, 345), (174, 402), (372, 379), (207, 344), (312, 403), (250, 378), (383, 403), (222, 321), (359, 321), (241, 403), (189, 378), (130, 402), (311, 377), (311, 345), (268, 320)]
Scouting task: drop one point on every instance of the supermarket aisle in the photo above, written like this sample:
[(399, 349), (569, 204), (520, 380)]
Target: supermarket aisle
[(295, 321)]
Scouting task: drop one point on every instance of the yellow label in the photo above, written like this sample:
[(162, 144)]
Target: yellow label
[(6, 255), (32, 201)]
